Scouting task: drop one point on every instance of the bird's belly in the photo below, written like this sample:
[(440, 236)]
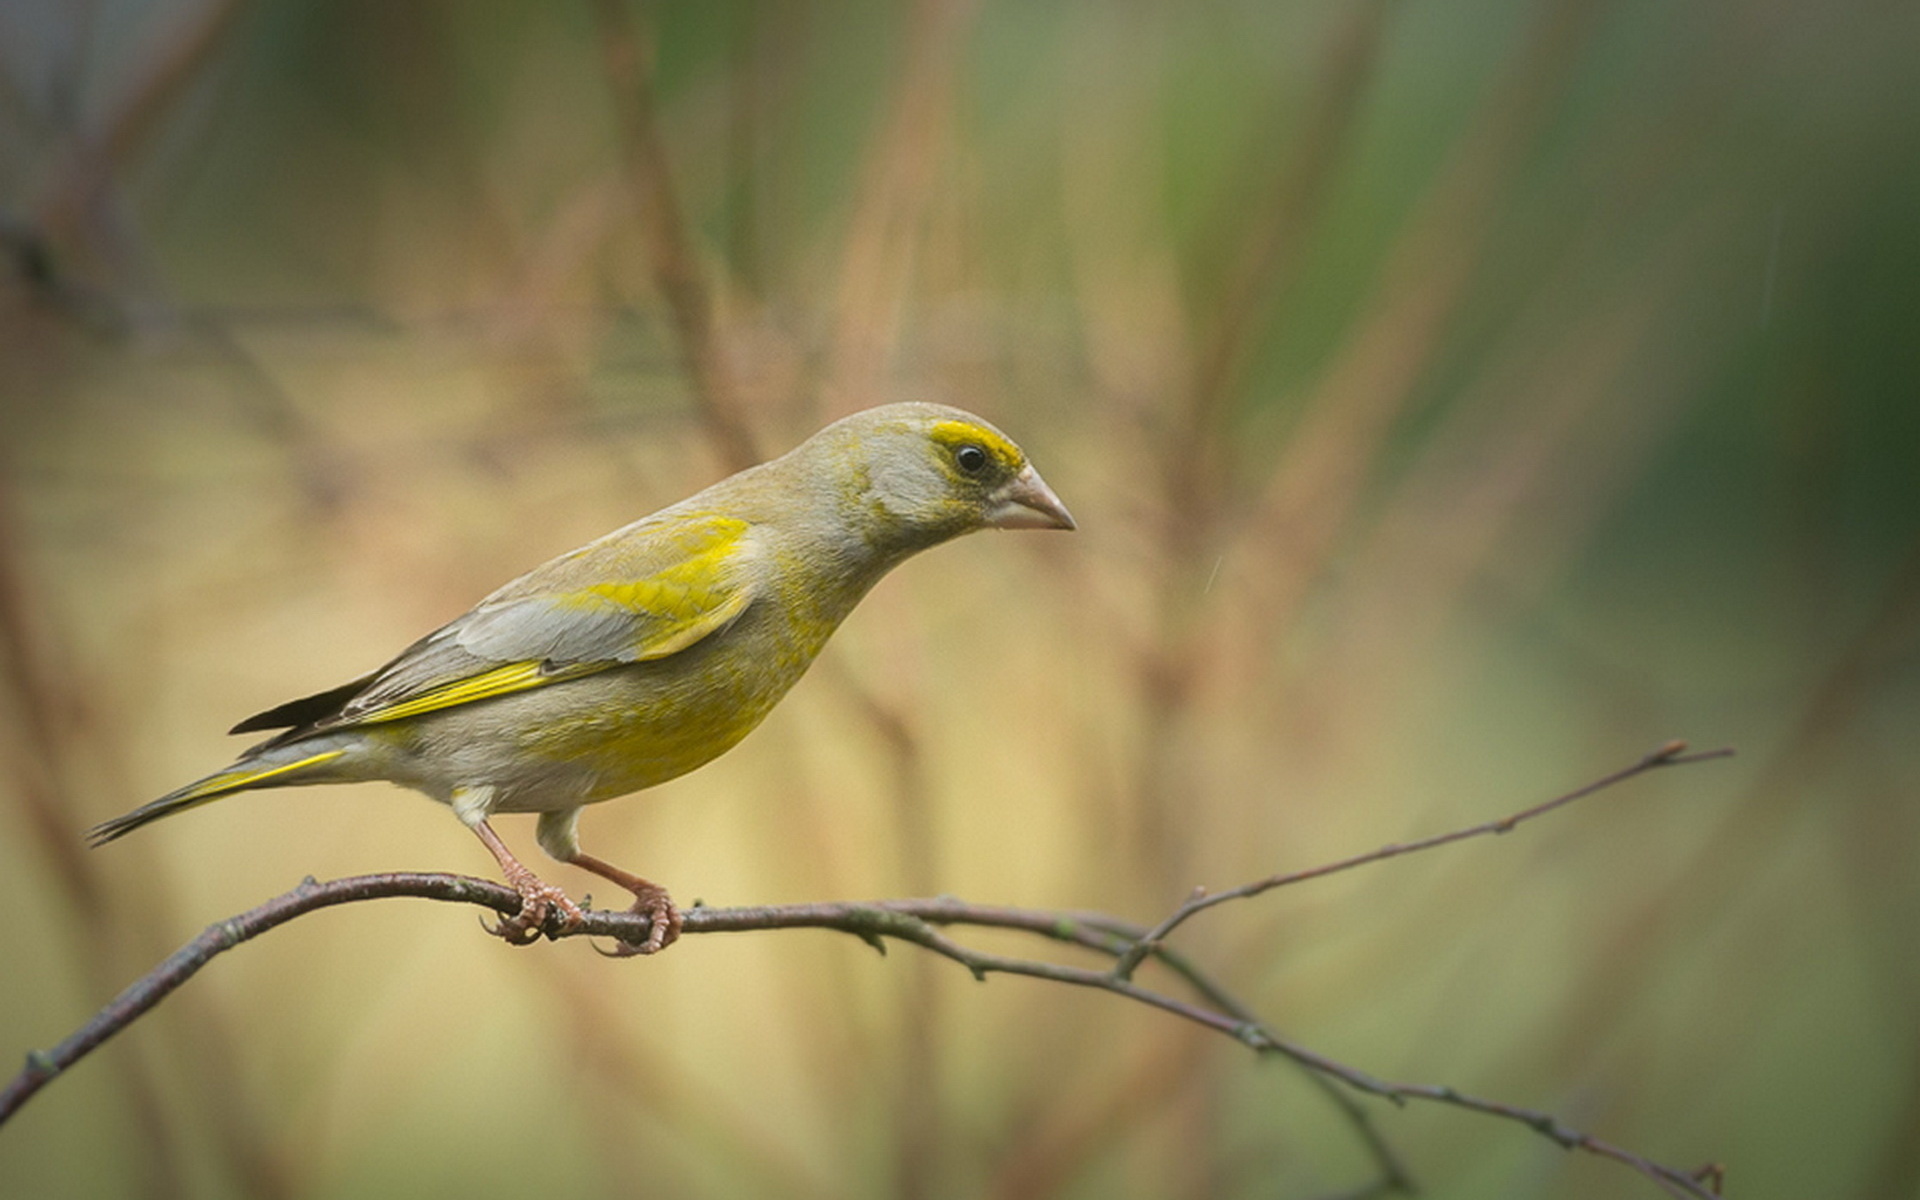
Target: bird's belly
[(603, 735), (631, 738)]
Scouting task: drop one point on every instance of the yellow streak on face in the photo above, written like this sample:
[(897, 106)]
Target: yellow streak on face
[(954, 434)]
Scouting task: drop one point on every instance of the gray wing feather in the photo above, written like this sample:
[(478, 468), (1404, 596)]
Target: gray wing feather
[(544, 616), (581, 630)]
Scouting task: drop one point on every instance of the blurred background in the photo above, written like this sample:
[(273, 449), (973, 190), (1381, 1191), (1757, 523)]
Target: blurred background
[(1458, 401)]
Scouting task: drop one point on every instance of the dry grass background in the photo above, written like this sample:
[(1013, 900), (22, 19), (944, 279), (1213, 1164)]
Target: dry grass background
[(1458, 401)]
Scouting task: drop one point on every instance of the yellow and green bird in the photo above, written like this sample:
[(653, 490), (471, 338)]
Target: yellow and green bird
[(646, 653)]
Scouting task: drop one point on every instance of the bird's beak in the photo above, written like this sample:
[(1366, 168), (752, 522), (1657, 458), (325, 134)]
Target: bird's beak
[(1028, 503)]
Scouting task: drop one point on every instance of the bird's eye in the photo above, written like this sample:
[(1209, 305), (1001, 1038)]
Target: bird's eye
[(971, 459)]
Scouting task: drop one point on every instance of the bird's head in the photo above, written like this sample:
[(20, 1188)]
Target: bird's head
[(917, 474)]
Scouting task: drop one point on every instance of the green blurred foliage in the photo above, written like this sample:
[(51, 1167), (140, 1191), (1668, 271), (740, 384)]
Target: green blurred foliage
[(1458, 401)]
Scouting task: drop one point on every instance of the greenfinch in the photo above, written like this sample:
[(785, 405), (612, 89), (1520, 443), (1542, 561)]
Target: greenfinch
[(645, 654)]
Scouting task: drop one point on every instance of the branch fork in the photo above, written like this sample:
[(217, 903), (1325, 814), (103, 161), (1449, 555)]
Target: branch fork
[(922, 922)]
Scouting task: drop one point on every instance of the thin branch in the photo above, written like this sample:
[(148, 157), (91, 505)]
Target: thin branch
[(1673, 754), (922, 923)]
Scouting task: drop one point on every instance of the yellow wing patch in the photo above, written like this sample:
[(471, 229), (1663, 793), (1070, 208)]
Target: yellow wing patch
[(707, 612), (679, 604), (683, 603), (502, 681), (564, 635)]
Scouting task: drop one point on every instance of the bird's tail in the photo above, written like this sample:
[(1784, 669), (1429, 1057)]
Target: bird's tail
[(283, 767)]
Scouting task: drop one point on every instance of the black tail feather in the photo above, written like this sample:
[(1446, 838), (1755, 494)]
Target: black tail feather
[(307, 710)]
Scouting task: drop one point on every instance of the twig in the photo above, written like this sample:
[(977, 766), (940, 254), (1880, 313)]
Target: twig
[(921, 922), (1673, 754)]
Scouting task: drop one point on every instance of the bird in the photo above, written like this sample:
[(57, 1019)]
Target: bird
[(644, 654)]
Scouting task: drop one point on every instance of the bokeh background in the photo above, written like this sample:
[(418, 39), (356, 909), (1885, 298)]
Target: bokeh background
[(1458, 400)]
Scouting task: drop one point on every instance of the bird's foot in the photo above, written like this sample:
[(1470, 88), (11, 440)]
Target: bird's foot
[(539, 902), (663, 928)]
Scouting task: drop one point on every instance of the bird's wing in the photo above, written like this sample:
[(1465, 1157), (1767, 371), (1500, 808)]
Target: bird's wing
[(643, 593)]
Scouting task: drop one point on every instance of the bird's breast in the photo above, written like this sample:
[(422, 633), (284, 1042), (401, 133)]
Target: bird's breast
[(636, 726)]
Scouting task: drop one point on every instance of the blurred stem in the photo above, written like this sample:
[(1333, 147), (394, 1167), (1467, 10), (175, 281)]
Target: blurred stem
[(1266, 266), (1193, 452), (1896, 1169), (627, 51), (1669, 915), (766, 55), (156, 82), (38, 782), (1196, 460), (674, 1103), (891, 203), (746, 102), (81, 212), (46, 705), (1316, 483), (919, 1083), (1059, 1139)]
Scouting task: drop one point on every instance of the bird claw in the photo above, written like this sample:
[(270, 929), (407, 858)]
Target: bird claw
[(663, 925), (540, 902)]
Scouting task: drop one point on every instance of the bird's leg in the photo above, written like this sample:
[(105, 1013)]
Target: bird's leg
[(559, 835), (538, 898), (650, 901)]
